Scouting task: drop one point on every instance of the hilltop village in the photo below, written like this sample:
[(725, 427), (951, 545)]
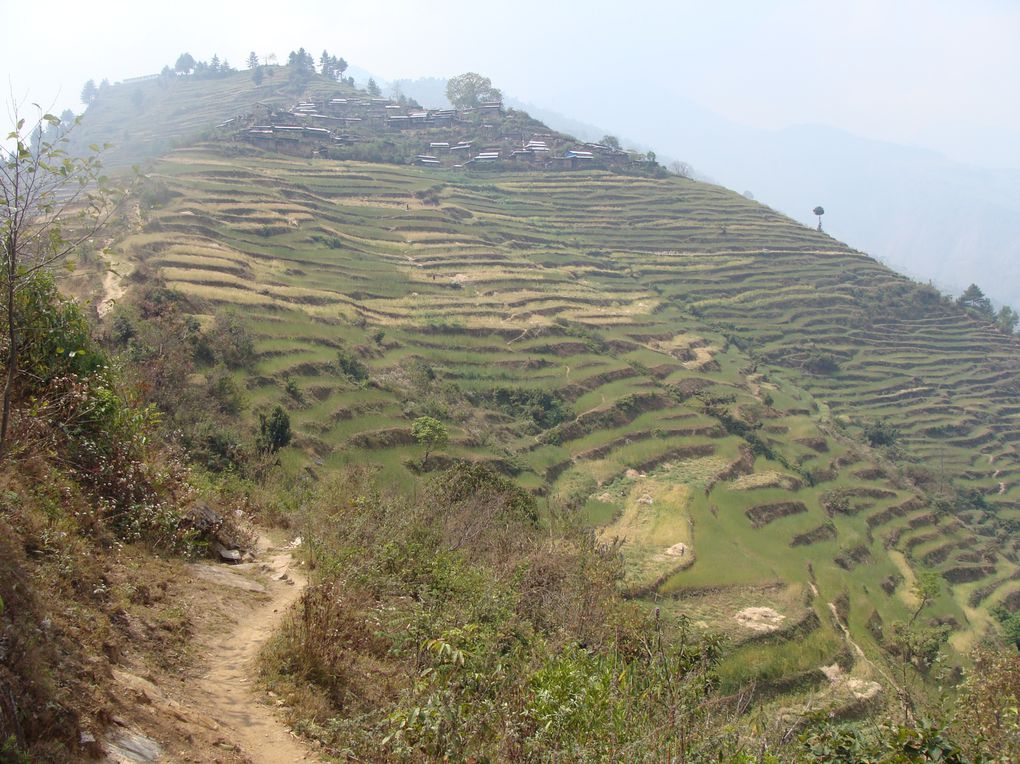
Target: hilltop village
[(383, 129)]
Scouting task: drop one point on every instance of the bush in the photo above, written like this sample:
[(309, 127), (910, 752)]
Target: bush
[(879, 432), (544, 409), (68, 403), (231, 342), (453, 627), (350, 366), (274, 431), (818, 362)]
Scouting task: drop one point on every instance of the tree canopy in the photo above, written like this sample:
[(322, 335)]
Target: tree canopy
[(185, 63), (974, 299), (469, 90), (430, 433), (89, 92)]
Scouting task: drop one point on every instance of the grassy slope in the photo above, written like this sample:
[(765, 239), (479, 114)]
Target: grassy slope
[(144, 119), (622, 295)]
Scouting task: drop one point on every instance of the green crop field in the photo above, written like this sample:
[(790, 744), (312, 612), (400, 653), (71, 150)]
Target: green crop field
[(674, 329)]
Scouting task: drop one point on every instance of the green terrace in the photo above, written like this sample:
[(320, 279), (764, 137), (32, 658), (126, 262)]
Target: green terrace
[(692, 372)]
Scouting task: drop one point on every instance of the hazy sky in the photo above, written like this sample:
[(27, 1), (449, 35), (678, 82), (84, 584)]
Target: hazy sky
[(941, 74)]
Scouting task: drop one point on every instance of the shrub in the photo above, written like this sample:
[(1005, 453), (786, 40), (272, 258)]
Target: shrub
[(544, 409), (274, 431), (231, 342), (350, 366), (879, 432), (819, 362), (453, 627)]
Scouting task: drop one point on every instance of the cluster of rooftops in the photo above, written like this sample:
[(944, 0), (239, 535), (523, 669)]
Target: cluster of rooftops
[(357, 119)]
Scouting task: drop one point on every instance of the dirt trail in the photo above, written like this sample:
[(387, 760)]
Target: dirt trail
[(225, 691), (214, 714), (857, 648), (113, 290)]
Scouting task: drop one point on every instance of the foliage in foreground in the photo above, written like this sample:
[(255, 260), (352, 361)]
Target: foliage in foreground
[(457, 626), (82, 475)]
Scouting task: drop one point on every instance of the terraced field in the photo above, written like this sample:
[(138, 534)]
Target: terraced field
[(639, 350)]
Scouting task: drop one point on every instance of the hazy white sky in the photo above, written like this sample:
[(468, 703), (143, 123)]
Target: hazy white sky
[(933, 72)]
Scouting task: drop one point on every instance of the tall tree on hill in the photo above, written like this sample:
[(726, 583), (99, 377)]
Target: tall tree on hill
[(214, 64), (253, 60), (341, 67), (974, 300), (89, 92), (326, 63), (301, 60), (372, 87), (1007, 319), (50, 204), (274, 431), (468, 90), (185, 63), (819, 211)]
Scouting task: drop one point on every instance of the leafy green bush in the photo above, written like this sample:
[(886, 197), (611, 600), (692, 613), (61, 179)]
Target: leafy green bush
[(274, 431), (543, 408), (69, 402), (820, 362), (879, 432), (349, 365)]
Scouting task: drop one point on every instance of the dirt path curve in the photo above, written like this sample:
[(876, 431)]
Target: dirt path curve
[(113, 290), (857, 648), (226, 690)]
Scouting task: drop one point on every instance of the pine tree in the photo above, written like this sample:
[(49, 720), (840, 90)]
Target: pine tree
[(89, 92), (185, 63), (973, 299)]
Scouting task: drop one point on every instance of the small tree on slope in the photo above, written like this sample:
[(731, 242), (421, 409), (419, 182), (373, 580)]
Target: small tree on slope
[(430, 433), (50, 204)]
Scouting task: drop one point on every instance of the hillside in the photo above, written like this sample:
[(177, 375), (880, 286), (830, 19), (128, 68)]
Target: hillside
[(641, 348), (784, 436), (147, 117)]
